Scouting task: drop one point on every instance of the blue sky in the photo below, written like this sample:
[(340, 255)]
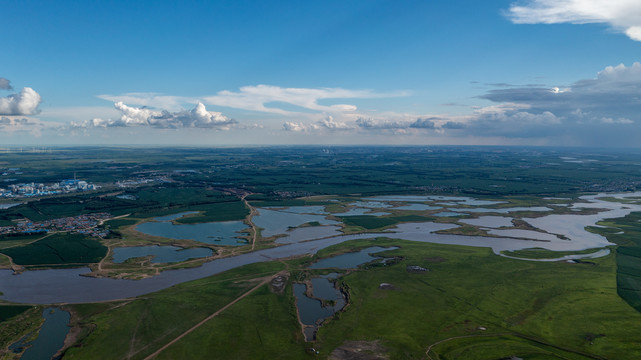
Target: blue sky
[(531, 72)]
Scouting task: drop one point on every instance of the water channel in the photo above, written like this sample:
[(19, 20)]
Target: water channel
[(50, 338), (65, 285)]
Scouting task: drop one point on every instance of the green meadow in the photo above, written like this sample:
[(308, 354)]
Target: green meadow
[(471, 304)]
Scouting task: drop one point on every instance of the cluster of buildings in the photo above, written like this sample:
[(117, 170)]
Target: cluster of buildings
[(39, 189), (82, 224), (141, 181)]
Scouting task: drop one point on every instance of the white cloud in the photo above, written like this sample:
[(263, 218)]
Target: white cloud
[(295, 126), (153, 100), (620, 73), (613, 93), (5, 84), (328, 123), (35, 127), (198, 117), (606, 120), (23, 103), (621, 15), (255, 98)]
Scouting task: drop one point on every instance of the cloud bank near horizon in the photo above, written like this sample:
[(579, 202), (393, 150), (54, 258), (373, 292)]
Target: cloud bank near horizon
[(601, 109), (623, 15)]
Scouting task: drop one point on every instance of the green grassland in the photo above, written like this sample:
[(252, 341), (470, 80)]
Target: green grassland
[(138, 328), (58, 249), (529, 309), (544, 307), (626, 232)]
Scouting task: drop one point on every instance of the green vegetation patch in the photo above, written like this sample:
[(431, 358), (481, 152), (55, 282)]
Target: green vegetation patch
[(367, 221), (9, 311), (59, 249), (628, 254), (375, 222)]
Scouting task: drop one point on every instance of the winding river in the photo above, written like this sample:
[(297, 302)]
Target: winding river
[(67, 286)]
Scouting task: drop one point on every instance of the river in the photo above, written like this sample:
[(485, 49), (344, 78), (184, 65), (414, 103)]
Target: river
[(67, 286)]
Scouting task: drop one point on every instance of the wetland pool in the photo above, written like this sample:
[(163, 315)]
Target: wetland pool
[(51, 336), (161, 254), (218, 233)]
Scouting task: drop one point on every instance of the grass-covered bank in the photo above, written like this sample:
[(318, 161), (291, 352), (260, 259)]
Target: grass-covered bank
[(472, 304), (626, 232)]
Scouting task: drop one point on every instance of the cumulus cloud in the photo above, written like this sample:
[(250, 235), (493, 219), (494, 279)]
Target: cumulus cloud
[(402, 124), (5, 84), (327, 123), (419, 123), (614, 93), (198, 117), (621, 15), (23, 103)]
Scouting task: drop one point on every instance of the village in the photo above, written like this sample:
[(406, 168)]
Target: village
[(81, 224)]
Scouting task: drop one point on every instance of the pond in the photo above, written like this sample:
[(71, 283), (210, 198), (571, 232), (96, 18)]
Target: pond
[(174, 216), (274, 222), (219, 233), (161, 254), (311, 311), (350, 260), (50, 338)]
